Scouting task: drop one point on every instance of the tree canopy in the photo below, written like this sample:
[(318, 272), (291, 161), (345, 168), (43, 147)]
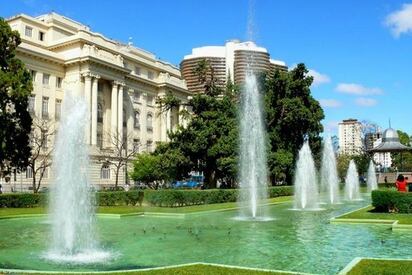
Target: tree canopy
[(15, 88), (292, 115), (209, 141), (403, 161)]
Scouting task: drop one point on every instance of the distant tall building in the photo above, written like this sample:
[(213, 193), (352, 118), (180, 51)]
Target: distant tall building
[(230, 61), (370, 139), (350, 140)]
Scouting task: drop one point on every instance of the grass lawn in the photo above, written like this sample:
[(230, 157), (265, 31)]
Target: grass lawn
[(366, 214), (198, 269), (388, 267), (4, 212)]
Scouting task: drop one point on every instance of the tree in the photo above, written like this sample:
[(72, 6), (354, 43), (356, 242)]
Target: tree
[(15, 88), (361, 160), (403, 161), (292, 115), (41, 151), (209, 141), (119, 154)]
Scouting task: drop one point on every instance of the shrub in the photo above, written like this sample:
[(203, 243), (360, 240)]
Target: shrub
[(178, 198), (392, 201), (22, 200), (119, 198)]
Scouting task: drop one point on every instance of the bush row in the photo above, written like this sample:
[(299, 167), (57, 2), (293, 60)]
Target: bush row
[(392, 201), (24, 200), (178, 198)]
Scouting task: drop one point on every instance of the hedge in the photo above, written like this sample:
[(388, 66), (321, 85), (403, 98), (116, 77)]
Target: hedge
[(392, 201), (179, 198), (24, 200)]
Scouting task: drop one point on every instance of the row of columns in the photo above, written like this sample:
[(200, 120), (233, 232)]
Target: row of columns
[(90, 95), (117, 110), (117, 93)]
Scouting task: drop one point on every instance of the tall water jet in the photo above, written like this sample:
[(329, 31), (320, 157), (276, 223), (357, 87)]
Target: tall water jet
[(71, 201), (352, 192), (306, 187), (253, 171), (372, 181), (328, 173)]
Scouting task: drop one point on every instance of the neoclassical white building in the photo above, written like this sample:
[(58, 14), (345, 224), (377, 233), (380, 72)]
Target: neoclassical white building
[(119, 82)]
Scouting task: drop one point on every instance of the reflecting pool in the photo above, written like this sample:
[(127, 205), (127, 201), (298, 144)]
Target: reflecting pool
[(295, 241)]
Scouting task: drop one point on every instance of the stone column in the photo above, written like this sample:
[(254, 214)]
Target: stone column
[(88, 97), (113, 134), (120, 113), (94, 109)]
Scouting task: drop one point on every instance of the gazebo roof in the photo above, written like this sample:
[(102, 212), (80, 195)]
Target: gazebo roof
[(390, 143)]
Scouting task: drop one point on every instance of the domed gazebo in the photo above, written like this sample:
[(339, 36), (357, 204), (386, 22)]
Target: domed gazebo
[(390, 144)]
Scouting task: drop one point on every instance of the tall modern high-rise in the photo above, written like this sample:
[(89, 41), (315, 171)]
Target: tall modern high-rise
[(350, 137), (231, 61)]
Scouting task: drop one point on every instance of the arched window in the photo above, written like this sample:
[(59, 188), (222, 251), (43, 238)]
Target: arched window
[(105, 172), (149, 122), (99, 113), (136, 119)]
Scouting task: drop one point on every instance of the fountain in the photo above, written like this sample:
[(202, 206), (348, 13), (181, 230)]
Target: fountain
[(352, 183), (253, 171), (329, 174), (371, 181), (306, 188), (71, 202)]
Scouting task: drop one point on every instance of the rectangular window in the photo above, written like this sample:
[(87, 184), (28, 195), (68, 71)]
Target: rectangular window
[(150, 75), (29, 173), (46, 78), (32, 100), (136, 97), (41, 36), (136, 144), (46, 173), (58, 109), (33, 75), (58, 82), (44, 140), (150, 100), (100, 140), (149, 146), (28, 31), (45, 107), (137, 70)]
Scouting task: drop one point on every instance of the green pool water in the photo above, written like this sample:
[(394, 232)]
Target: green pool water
[(293, 241)]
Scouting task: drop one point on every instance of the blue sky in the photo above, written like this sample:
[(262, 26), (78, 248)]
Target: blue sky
[(360, 51)]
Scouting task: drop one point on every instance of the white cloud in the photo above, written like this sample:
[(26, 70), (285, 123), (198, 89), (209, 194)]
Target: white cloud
[(331, 126), (366, 102), (318, 78), (357, 89), (400, 21), (330, 103)]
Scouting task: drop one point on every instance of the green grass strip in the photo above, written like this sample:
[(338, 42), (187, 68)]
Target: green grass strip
[(377, 266)]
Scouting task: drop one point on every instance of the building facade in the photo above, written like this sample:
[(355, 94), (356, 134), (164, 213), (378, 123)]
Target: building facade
[(119, 82), (350, 137), (231, 61)]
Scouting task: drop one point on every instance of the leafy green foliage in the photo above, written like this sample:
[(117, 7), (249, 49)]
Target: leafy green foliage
[(179, 198), (291, 114), (15, 88), (132, 197), (21, 200), (392, 201), (403, 161), (361, 160)]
